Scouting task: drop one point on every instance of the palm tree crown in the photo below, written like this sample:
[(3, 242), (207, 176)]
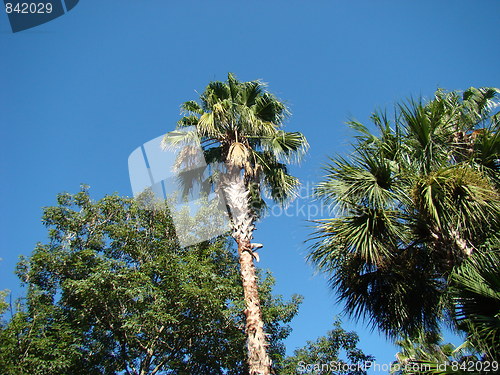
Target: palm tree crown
[(411, 202), (240, 125)]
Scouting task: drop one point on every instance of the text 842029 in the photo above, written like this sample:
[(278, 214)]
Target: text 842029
[(28, 8)]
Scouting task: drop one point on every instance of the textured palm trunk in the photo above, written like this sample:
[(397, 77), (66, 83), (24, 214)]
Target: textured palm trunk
[(237, 198)]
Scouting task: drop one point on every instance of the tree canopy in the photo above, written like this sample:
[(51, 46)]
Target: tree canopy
[(112, 292), (336, 352), (240, 125), (417, 197)]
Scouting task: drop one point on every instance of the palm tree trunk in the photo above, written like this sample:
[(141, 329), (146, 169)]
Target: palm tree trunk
[(258, 359), (242, 218)]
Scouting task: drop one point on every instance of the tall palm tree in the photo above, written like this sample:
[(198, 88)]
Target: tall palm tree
[(239, 125), (410, 203)]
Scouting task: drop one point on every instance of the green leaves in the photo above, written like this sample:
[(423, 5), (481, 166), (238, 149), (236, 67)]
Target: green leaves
[(285, 145), (112, 292), (412, 201), (336, 350), (240, 125), (475, 285), (191, 107), (178, 138), (3, 304), (458, 200)]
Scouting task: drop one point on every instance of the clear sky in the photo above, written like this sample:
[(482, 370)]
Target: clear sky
[(80, 93)]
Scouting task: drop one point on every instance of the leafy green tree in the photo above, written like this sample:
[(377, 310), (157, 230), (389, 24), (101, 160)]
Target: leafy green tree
[(414, 200), (337, 352), (112, 292), (3, 304), (239, 125)]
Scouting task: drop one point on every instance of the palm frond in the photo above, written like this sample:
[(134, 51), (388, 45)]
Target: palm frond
[(277, 182), (269, 109), (282, 187), (213, 155), (364, 135), (366, 180), (187, 121), (476, 288), (206, 125), (402, 297), (479, 101), (191, 107), (287, 146), (178, 138), (251, 92)]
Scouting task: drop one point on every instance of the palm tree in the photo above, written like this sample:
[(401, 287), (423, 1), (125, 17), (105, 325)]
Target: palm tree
[(239, 126), (475, 287), (410, 203), (424, 348), (425, 354), (475, 292)]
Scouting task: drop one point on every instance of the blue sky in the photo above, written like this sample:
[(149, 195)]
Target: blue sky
[(80, 93)]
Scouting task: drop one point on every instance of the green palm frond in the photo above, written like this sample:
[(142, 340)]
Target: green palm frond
[(187, 121), (364, 136), (459, 199), (428, 135), (240, 124), (369, 233), (487, 151), (423, 347), (269, 109), (390, 297), (282, 187), (178, 138), (478, 102), (251, 92), (215, 92), (287, 146), (276, 181), (191, 107), (207, 125), (213, 155), (414, 199), (475, 286), (366, 180)]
